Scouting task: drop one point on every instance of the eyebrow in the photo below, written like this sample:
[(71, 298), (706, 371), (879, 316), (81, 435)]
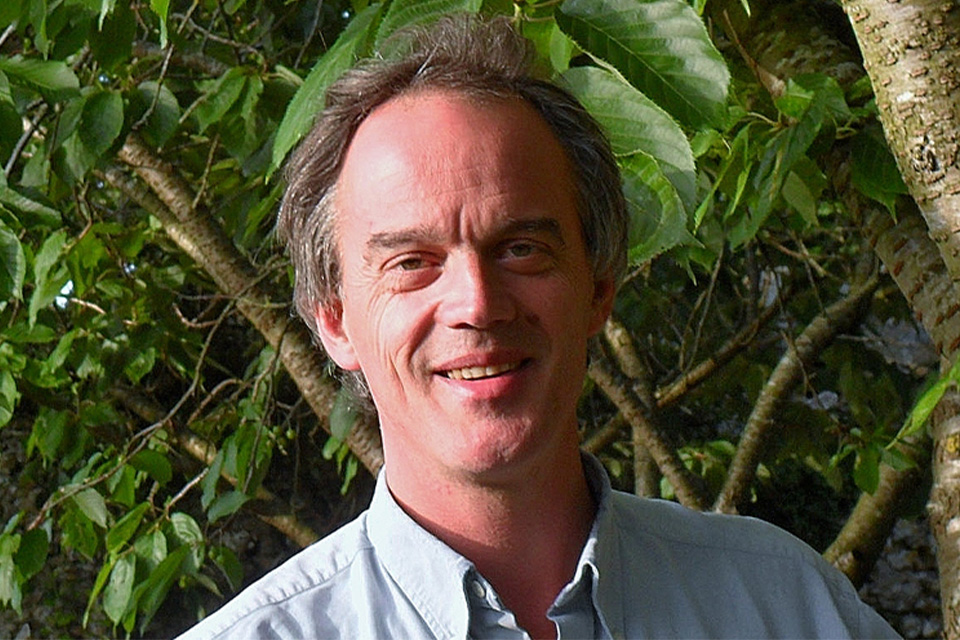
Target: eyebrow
[(429, 235)]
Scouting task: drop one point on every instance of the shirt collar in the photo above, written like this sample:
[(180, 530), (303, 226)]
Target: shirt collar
[(429, 572)]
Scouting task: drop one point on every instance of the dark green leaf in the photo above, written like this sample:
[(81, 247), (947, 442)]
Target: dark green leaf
[(32, 553), (230, 565), (308, 100), (661, 47), (164, 114), (226, 504), (37, 212), (219, 96), (8, 397), (153, 591), (866, 470), (101, 121), (51, 77), (154, 463), (874, 171), (209, 483), (125, 527), (151, 549), (112, 41)]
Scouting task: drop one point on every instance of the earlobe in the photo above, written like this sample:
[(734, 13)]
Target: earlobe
[(336, 343)]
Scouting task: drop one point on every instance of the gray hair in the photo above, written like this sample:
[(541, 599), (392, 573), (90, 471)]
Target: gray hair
[(476, 58)]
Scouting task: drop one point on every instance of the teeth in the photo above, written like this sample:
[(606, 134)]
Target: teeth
[(473, 373)]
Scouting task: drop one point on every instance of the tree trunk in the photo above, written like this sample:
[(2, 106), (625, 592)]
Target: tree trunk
[(911, 51)]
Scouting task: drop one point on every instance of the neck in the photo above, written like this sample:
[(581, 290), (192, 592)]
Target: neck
[(538, 519)]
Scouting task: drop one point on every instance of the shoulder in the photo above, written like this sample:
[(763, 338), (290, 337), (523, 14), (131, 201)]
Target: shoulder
[(734, 575), (285, 596), (678, 525)]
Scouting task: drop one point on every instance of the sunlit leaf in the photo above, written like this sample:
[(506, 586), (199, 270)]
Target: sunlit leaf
[(125, 527), (226, 504), (404, 14), (13, 265), (635, 123), (661, 47), (308, 101)]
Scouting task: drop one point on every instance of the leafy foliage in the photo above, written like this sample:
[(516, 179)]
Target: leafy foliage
[(157, 415)]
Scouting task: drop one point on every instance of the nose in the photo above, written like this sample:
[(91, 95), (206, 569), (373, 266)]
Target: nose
[(475, 295)]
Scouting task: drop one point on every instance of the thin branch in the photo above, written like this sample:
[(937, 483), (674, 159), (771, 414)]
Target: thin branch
[(671, 393), (799, 356), (205, 452), (22, 142), (170, 200), (689, 487)]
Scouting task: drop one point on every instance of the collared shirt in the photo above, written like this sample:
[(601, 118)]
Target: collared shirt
[(649, 569)]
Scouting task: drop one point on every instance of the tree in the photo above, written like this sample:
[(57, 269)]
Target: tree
[(164, 392)]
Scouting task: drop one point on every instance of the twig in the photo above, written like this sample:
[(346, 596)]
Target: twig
[(689, 487), (669, 394), (22, 142), (837, 318)]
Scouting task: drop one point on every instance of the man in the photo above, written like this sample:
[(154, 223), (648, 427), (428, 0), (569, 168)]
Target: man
[(457, 230)]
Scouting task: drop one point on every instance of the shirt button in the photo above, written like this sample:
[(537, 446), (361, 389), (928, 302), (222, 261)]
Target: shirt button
[(478, 589)]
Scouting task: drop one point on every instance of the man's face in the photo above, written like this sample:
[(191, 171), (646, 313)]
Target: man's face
[(467, 295)]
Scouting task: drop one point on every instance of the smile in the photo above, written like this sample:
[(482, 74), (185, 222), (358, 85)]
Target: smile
[(476, 373)]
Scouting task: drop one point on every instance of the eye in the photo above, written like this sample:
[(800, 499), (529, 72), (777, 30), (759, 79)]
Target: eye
[(410, 271), (521, 249), (411, 264)]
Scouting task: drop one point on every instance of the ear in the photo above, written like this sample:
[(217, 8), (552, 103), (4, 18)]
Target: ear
[(604, 291), (335, 341)]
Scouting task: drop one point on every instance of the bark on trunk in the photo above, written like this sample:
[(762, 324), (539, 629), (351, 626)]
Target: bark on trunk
[(945, 508), (911, 51)]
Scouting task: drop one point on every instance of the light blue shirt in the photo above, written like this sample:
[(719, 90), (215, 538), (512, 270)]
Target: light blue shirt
[(649, 569)]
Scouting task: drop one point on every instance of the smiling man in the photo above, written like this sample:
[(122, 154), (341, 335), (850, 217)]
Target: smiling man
[(457, 231)]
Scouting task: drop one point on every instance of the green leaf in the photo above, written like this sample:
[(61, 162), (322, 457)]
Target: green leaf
[(635, 123), (101, 121), (308, 101), (32, 553), (117, 594), (866, 469), (404, 14), (657, 218), (93, 506), (228, 562), (209, 483), (13, 265), (226, 504), (164, 117), (141, 364), (927, 402), (125, 527), (112, 41), (38, 214), (152, 592), (154, 463), (219, 96), (9, 574), (661, 47), (8, 397), (343, 415), (53, 78), (161, 7), (151, 548), (874, 171), (187, 532)]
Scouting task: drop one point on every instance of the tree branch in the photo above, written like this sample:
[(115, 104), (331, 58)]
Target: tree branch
[(800, 355), (205, 452), (170, 200), (688, 486)]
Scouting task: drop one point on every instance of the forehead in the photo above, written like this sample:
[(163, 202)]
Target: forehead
[(416, 146)]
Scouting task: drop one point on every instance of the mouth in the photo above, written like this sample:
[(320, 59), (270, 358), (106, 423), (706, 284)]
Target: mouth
[(481, 372)]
